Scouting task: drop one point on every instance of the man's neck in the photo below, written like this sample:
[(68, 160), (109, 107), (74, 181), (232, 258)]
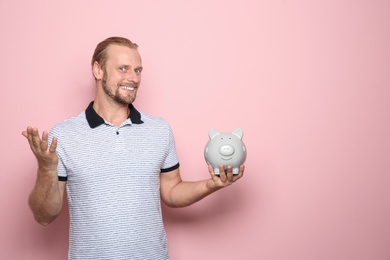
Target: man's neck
[(112, 112)]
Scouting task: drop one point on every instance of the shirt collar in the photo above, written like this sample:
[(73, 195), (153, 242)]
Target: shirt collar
[(94, 120)]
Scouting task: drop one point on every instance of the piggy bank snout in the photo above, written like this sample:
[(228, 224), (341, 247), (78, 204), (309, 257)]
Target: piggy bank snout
[(226, 150)]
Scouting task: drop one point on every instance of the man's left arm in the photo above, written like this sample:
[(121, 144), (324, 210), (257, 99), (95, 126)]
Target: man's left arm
[(177, 193)]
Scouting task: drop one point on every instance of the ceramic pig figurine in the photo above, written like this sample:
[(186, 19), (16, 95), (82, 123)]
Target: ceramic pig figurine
[(225, 148)]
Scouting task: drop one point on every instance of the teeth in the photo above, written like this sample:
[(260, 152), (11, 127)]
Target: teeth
[(127, 88)]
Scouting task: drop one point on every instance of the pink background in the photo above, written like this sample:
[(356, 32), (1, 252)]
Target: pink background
[(307, 81)]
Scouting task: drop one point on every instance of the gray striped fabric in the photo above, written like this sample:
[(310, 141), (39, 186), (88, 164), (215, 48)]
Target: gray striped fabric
[(113, 185)]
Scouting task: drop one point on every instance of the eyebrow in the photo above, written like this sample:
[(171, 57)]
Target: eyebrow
[(128, 66)]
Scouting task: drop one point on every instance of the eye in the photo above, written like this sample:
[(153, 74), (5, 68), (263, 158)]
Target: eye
[(123, 69), (138, 71)]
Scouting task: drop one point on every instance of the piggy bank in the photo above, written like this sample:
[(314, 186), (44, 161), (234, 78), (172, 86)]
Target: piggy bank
[(225, 148)]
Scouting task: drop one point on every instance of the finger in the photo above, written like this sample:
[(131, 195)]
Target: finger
[(229, 174), (242, 169), (53, 145), (36, 140), (222, 173), (44, 142), (241, 172), (211, 170), (28, 134), (25, 134)]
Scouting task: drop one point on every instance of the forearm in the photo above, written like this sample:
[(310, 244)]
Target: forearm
[(45, 199), (186, 193)]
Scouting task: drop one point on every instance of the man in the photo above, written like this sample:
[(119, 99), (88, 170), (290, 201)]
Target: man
[(115, 164)]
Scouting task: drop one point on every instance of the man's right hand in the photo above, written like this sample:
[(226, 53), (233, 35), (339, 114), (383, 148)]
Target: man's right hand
[(45, 154)]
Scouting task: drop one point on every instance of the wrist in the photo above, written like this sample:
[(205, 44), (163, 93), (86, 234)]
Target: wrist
[(47, 169), (212, 186)]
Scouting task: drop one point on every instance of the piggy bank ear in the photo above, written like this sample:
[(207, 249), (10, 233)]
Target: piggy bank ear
[(213, 133), (238, 132)]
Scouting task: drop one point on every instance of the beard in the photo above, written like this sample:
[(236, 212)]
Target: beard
[(117, 97)]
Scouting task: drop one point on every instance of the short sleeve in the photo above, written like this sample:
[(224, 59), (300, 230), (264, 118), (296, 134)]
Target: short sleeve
[(62, 174), (171, 161)]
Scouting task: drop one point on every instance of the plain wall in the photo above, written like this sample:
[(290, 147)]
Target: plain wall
[(307, 81)]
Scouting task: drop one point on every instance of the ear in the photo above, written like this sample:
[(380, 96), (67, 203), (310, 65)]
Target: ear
[(213, 133), (97, 71), (238, 132)]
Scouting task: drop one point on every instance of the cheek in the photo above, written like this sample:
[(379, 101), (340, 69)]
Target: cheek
[(114, 78), (119, 77)]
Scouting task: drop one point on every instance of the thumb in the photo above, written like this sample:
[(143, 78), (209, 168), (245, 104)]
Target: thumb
[(24, 133)]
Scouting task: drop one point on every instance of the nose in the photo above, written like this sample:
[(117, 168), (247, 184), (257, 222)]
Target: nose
[(226, 150), (133, 76)]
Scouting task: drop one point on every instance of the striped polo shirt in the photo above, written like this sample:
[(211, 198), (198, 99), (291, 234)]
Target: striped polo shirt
[(113, 184)]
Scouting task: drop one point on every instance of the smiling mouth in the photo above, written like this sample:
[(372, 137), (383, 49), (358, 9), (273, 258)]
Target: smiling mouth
[(127, 88), (228, 159)]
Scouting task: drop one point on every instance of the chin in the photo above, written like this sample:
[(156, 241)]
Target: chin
[(125, 101)]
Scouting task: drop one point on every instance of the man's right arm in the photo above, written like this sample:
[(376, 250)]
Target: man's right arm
[(46, 198), (47, 195)]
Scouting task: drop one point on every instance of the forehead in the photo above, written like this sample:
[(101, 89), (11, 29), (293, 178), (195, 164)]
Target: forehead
[(118, 54)]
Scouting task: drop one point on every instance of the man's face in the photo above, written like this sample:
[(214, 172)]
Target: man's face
[(122, 74)]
